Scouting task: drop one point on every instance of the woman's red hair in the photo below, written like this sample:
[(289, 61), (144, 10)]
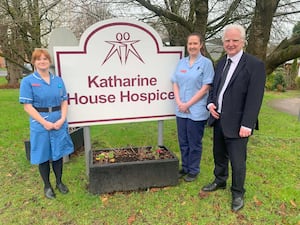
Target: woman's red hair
[(37, 53)]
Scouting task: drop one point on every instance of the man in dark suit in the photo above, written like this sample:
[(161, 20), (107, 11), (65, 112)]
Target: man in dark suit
[(234, 105)]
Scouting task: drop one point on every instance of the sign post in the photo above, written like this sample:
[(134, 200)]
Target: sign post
[(120, 72)]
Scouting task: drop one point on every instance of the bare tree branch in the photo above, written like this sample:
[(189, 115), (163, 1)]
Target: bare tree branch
[(287, 50)]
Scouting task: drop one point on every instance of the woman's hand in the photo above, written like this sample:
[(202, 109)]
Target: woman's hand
[(183, 107), (58, 124), (48, 125)]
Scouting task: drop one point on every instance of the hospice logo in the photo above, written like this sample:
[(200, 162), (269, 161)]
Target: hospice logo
[(123, 48)]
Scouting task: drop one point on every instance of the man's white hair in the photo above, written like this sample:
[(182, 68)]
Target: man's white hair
[(238, 27)]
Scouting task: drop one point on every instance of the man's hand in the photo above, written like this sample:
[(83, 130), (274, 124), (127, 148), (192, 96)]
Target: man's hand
[(245, 132), (212, 109)]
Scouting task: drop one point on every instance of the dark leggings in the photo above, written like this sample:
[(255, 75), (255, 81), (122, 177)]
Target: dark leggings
[(44, 169)]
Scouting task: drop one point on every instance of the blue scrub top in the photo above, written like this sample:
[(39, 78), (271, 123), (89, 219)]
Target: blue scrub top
[(190, 79), (46, 145)]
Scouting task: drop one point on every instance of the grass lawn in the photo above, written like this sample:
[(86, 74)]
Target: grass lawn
[(272, 184)]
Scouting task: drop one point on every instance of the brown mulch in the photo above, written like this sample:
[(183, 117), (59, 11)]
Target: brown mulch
[(130, 154)]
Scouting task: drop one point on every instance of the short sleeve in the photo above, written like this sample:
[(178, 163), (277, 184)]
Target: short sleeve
[(26, 95), (209, 72), (64, 95)]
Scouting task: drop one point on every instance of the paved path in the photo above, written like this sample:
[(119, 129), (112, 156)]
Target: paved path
[(289, 105), (3, 73)]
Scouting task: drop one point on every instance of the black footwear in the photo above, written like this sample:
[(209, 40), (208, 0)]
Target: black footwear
[(237, 204), (181, 173), (62, 188), (213, 187), (190, 177), (49, 193)]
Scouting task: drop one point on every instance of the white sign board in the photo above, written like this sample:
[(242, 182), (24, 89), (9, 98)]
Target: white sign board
[(120, 72)]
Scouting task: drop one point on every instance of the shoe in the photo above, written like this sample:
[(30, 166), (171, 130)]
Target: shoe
[(62, 188), (213, 187), (181, 173), (237, 204), (190, 177), (49, 193)]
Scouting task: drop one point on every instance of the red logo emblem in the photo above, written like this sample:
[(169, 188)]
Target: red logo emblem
[(122, 47)]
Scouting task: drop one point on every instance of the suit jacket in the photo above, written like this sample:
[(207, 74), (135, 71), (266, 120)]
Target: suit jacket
[(243, 96)]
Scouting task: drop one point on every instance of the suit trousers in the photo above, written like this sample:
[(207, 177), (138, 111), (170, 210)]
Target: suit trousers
[(190, 135), (233, 150)]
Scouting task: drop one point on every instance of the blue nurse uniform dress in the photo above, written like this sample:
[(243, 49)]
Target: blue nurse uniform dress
[(190, 126), (46, 145), (190, 79)]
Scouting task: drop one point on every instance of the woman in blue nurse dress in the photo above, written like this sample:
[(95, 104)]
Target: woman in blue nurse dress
[(44, 98), (191, 82)]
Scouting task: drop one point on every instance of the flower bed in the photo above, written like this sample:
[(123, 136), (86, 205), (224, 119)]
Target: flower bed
[(131, 168)]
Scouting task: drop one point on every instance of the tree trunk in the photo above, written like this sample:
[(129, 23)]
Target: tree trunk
[(14, 73), (259, 32)]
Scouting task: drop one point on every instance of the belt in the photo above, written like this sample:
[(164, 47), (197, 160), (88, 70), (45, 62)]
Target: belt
[(48, 109)]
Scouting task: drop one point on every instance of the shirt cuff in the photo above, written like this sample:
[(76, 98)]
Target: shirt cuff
[(247, 128), (209, 104)]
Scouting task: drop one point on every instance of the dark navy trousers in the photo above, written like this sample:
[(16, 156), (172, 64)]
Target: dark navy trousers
[(190, 135), (235, 151)]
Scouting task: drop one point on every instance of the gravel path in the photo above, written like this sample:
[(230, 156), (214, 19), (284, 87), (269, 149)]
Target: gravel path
[(290, 105)]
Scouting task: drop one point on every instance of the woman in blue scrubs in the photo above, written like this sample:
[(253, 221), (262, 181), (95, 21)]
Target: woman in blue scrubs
[(191, 83), (45, 100)]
